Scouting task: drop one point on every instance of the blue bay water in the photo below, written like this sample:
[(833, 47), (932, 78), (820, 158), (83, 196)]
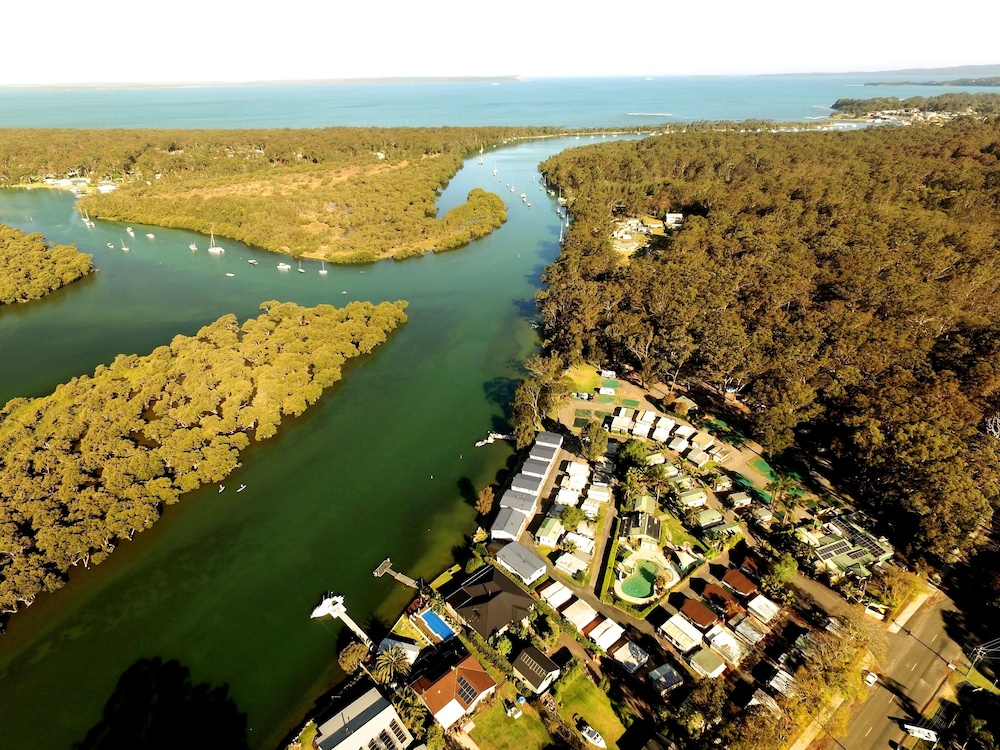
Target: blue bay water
[(574, 103)]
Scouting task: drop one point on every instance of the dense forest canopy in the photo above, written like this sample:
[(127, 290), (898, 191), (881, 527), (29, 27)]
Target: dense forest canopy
[(955, 102), (344, 194), (30, 269), (95, 462), (844, 285)]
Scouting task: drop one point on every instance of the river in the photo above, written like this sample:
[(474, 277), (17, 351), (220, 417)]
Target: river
[(383, 465)]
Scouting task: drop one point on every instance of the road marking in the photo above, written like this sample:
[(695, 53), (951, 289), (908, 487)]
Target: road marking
[(914, 666), (934, 638), (869, 731)]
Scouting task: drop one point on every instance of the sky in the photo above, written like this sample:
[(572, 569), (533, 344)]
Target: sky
[(174, 41)]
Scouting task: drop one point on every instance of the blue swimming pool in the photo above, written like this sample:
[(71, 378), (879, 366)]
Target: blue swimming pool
[(436, 625)]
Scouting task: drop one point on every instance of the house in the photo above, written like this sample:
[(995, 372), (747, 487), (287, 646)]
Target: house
[(698, 457), (630, 656), (572, 563), (763, 608), (453, 687), (660, 434), (685, 432), (549, 532), (519, 501), (607, 634), (673, 219), (509, 524), (696, 498), (556, 594), (722, 483), (566, 496), (739, 583), (646, 417), (750, 629), (409, 649), (641, 430), (724, 642), (643, 530), (591, 507), (546, 453), (740, 500), (621, 424), (550, 439), (527, 484), (698, 614), (535, 468), (753, 566), (582, 544), (708, 518), (721, 599), (707, 663), (665, 678), (702, 441), (535, 669), (579, 614), (489, 602), (783, 682), (682, 634), (849, 550), (526, 565), (678, 444), (368, 719), (600, 494), (763, 516)]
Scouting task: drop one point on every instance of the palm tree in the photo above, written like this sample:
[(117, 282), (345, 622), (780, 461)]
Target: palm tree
[(390, 664)]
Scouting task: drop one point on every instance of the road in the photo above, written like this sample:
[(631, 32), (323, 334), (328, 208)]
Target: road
[(912, 673)]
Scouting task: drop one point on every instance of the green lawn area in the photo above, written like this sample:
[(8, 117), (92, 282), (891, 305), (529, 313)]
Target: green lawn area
[(582, 412), (605, 399), (584, 378), (678, 534), (580, 697), (631, 403), (495, 730)]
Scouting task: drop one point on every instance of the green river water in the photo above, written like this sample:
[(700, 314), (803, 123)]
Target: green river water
[(224, 583)]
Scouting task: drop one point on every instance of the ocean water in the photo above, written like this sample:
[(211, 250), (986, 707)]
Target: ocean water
[(574, 103)]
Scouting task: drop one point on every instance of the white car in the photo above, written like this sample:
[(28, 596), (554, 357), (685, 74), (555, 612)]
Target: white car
[(870, 678)]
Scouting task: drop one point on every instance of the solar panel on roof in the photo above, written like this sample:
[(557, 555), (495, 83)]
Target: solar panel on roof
[(465, 691), (858, 553), (831, 551)]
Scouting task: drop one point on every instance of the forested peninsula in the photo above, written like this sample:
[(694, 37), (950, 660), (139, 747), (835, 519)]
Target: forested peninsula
[(341, 194), (95, 462), (844, 286), (983, 104), (32, 269)]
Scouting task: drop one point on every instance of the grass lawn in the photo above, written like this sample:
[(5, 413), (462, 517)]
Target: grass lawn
[(678, 534), (405, 629), (581, 697), (495, 730), (584, 378)]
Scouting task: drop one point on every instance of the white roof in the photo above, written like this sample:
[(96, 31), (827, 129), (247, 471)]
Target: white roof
[(583, 544), (685, 431), (521, 501), (547, 453), (750, 630), (763, 608), (528, 484), (591, 507), (557, 594), (678, 445), (606, 391), (412, 650), (665, 423), (528, 566), (600, 494), (620, 424), (580, 614), (702, 440), (534, 467), (681, 633), (660, 434), (740, 499), (566, 496), (607, 634), (728, 646), (578, 468), (698, 458), (573, 481), (570, 563), (631, 656), (707, 663), (509, 524), (641, 430), (647, 417), (693, 498), (358, 723)]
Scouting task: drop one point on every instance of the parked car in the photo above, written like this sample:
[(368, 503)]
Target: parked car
[(870, 678)]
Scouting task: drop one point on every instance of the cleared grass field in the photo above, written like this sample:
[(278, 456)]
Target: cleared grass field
[(579, 697), (495, 730)]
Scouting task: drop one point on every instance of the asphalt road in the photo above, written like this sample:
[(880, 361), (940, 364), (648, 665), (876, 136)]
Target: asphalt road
[(914, 669)]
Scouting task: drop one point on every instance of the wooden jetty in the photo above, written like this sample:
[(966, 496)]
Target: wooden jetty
[(385, 568)]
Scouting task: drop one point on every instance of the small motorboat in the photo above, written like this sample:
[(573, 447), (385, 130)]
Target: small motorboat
[(283, 266), (222, 488), (252, 262), (230, 274), (150, 235), (241, 488), (591, 735), (192, 246)]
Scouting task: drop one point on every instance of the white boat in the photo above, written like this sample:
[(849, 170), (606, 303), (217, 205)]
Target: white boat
[(150, 235), (322, 268), (111, 245), (301, 269), (130, 232), (252, 262), (592, 735), (528, 204), (494, 169), (86, 220), (241, 488), (192, 246), (492, 437), (222, 487), (230, 274), (124, 248), (283, 266), (213, 248), (524, 197)]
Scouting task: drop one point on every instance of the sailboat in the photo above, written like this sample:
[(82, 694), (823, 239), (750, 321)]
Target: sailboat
[(301, 269), (192, 247), (494, 169), (480, 154), (222, 487), (213, 248), (124, 248), (322, 268), (86, 220)]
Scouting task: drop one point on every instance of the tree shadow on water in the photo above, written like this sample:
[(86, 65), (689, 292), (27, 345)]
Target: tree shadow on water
[(155, 706)]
